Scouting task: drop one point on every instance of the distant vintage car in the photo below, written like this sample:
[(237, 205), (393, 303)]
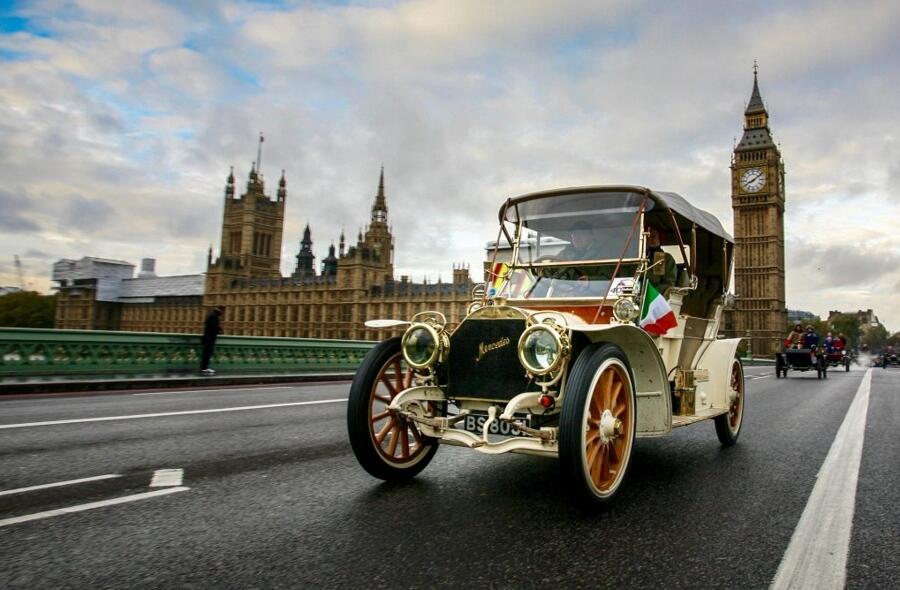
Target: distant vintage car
[(551, 358), (837, 358), (889, 359), (801, 359)]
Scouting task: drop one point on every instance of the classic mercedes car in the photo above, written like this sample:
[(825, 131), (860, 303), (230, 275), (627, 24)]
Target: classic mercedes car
[(597, 326)]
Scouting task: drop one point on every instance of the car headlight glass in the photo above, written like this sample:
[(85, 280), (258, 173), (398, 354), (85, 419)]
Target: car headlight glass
[(625, 309), (420, 346), (540, 350)]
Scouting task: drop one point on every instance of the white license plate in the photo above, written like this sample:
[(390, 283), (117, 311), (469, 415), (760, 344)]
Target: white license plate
[(475, 423)]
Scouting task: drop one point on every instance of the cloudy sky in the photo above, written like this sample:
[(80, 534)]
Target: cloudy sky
[(119, 121)]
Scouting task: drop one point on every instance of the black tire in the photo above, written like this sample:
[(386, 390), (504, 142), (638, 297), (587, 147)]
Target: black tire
[(597, 425), (847, 367), (370, 388), (778, 365), (728, 426)]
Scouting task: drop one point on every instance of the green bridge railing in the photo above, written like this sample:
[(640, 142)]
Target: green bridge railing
[(33, 352)]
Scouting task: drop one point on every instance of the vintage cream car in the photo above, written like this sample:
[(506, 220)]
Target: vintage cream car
[(551, 358)]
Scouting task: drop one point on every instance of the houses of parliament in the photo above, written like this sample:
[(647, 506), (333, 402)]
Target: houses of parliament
[(357, 281), (353, 284)]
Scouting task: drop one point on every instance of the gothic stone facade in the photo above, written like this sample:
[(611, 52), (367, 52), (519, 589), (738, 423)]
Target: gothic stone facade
[(356, 283), (758, 198)]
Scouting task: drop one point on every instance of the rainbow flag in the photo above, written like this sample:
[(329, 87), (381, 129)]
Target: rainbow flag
[(499, 274)]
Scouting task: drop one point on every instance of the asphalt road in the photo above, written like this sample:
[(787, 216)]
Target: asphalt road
[(273, 498)]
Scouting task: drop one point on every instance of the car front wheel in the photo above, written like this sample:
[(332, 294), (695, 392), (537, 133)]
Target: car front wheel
[(387, 445), (597, 424)]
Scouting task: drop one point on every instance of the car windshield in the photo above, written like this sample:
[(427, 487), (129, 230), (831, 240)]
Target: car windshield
[(571, 244), (559, 282), (579, 227)]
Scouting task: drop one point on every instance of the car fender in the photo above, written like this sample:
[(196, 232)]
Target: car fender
[(717, 360), (652, 395)]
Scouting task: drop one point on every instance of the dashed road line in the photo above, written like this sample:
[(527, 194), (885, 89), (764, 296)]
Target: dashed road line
[(163, 478), (165, 414), (816, 557), (58, 484), (92, 505)]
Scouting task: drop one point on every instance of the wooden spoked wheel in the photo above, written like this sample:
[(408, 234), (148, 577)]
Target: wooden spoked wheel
[(597, 424), (398, 440), (609, 421), (728, 425), (387, 445)]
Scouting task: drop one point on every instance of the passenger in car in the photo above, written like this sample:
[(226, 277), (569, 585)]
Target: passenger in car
[(662, 271), (810, 339), (795, 337)]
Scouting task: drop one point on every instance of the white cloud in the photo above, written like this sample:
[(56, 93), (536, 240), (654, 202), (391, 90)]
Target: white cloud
[(119, 121)]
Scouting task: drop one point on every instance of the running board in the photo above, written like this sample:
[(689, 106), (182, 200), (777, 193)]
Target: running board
[(701, 415)]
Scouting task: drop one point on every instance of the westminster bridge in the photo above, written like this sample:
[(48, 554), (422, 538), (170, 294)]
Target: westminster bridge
[(255, 486)]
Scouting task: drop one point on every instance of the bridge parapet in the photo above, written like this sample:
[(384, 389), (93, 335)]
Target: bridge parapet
[(34, 352)]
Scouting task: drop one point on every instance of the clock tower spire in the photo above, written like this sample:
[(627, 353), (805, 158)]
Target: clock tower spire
[(757, 199)]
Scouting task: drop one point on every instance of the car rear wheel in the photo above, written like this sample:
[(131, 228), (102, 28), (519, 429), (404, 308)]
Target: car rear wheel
[(388, 446), (597, 424), (728, 426)]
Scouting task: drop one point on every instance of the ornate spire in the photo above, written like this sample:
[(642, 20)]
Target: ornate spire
[(756, 103), (379, 209), (756, 121), (305, 258), (259, 152), (342, 243), (282, 188), (329, 263), (229, 185)]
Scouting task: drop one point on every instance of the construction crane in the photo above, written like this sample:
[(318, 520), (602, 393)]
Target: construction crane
[(20, 273)]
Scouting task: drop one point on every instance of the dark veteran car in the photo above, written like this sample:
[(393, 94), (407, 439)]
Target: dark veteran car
[(597, 326)]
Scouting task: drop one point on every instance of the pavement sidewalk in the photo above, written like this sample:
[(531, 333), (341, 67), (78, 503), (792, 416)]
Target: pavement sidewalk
[(87, 383)]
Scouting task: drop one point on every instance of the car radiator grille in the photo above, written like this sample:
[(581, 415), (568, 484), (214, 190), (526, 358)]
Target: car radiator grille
[(483, 361)]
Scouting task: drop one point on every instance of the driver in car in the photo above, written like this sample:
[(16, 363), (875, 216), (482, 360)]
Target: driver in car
[(582, 243)]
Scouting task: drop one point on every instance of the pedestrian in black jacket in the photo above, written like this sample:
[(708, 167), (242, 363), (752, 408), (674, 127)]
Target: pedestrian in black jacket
[(211, 330)]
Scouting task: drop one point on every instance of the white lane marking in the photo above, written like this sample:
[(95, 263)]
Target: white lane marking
[(58, 484), (91, 506), (162, 414), (212, 390), (754, 378), (164, 478), (817, 554)]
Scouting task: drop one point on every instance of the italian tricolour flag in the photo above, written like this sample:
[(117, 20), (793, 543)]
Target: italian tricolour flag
[(656, 315)]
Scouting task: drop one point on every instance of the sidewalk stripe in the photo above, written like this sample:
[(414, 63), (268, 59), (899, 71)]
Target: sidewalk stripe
[(163, 414), (91, 506), (58, 484), (817, 554)]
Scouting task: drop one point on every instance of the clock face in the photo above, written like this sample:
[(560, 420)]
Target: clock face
[(753, 179)]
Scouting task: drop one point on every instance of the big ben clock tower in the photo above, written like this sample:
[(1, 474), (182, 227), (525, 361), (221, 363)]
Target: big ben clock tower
[(757, 198)]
